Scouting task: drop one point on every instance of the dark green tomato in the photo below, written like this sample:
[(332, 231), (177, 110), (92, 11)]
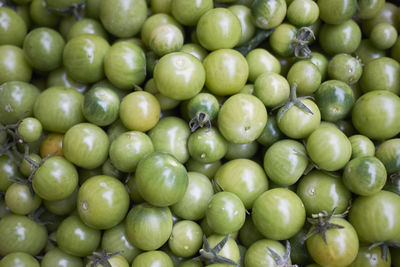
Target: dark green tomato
[(243, 13), (245, 151), (106, 83), (345, 68), (329, 148), (13, 28), (41, 16), (19, 259), (153, 22), (179, 75), (364, 176), (92, 9), (376, 114), (387, 14), (388, 153), (368, 9), (281, 40), (272, 89), (385, 72), (61, 4), (226, 71), (395, 256), (21, 234), (298, 252), (367, 257), (8, 170), (64, 206), (64, 112), (243, 177), (148, 227), (115, 239), (271, 132), (341, 248), (362, 146), (188, 12), (86, 145), (194, 203), (160, 6), (305, 75), (57, 258), (60, 78), (127, 150), (19, 199), (109, 169), (242, 118), (346, 127), (153, 258), (249, 234), (101, 106), (132, 189), (43, 48), (186, 239), (56, 179), (116, 129), (258, 254), (218, 28), (102, 202), (322, 191), (166, 39), (383, 36), (16, 98), (30, 129), (335, 99), (171, 135), (296, 123), (113, 16), (341, 38), (204, 103), (366, 51), (376, 217), (83, 58), (13, 65), (336, 12), (125, 65), (285, 162), (260, 61), (302, 12), (86, 26), (76, 238), (161, 179), (278, 213), (207, 145), (268, 14)]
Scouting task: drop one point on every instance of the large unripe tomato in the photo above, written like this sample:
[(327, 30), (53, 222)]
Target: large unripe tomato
[(13, 65), (161, 179), (278, 213), (242, 118), (86, 145), (102, 202), (19, 259), (12, 27)]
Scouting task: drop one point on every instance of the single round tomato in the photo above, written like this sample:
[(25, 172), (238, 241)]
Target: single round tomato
[(166, 38), (30, 129), (207, 169), (340, 249), (389, 153), (242, 118), (21, 234), (272, 89), (148, 227), (19, 259), (230, 250), (278, 213), (188, 13), (13, 28), (153, 22), (86, 145), (341, 38), (282, 40), (321, 191), (258, 254), (64, 206), (302, 12), (152, 258), (186, 239), (260, 61), (249, 234), (336, 12), (268, 14), (367, 257), (207, 145), (375, 114), (306, 76), (102, 202), (56, 179), (345, 68), (64, 112), (52, 145), (19, 199), (329, 148), (42, 16), (58, 258), (361, 146), (13, 65)]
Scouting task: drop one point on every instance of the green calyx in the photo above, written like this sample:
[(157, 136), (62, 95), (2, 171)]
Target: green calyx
[(282, 261), (210, 255), (101, 258)]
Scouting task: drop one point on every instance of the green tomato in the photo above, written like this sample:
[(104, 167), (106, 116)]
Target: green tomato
[(282, 40), (306, 76), (186, 238), (366, 51), (268, 14), (30, 129), (19, 259), (369, 9), (388, 152), (152, 258), (245, 151), (13, 65), (207, 145), (243, 13), (371, 257), (272, 89), (258, 254), (153, 22), (341, 38), (86, 26), (166, 38), (188, 12), (302, 12), (13, 28), (57, 258), (336, 12), (361, 146), (383, 36), (345, 68), (260, 61), (20, 200)]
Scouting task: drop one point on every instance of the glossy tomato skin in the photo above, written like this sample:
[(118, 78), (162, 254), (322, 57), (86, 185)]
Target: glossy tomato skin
[(56, 179), (249, 234), (21, 234), (16, 98), (268, 14), (86, 26), (57, 258), (76, 238), (329, 148), (64, 112), (13, 29), (208, 169), (186, 238), (19, 199), (102, 202), (306, 75), (207, 145), (340, 38), (362, 146), (152, 258), (258, 254), (259, 61), (389, 152), (8, 170), (148, 227), (381, 121), (189, 13), (341, 248), (230, 250), (86, 145), (336, 12), (30, 129), (375, 217), (19, 259), (13, 65), (371, 257), (235, 121), (64, 206), (278, 213)]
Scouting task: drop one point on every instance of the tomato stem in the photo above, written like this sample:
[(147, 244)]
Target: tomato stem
[(200, 120), (254, 42), (303, 37), (101, 258), (282, 262), (210, 255)]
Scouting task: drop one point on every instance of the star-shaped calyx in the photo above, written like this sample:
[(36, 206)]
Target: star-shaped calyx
[(282, 262), (101, 258), (210, 255)]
